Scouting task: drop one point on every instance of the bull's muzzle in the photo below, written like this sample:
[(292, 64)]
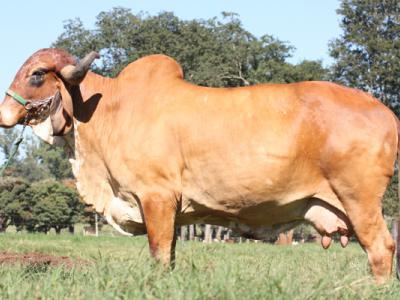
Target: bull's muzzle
[(10, 114)]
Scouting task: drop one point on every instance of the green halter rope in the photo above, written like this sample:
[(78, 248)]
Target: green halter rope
[(38, 109), (17, 97), (13, 151), (18, 141), (35, 109)]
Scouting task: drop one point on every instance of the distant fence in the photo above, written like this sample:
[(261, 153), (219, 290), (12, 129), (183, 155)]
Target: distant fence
[(210, 233)]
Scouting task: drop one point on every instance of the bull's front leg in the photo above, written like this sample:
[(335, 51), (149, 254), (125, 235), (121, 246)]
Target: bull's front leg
[(159, 214)]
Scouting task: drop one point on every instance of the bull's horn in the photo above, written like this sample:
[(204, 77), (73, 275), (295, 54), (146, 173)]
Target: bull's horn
[(75, 74)]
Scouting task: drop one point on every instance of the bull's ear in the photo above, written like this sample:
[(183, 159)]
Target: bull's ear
[(67, 101), (61, 112), (75, 74)]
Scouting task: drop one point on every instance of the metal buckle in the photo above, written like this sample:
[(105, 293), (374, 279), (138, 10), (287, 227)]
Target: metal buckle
[(38, 110)]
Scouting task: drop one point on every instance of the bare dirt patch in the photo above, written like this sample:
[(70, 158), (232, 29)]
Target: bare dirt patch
[(37, 259)]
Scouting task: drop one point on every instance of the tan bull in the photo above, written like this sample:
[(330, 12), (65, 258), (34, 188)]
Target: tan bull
[(152, 151)]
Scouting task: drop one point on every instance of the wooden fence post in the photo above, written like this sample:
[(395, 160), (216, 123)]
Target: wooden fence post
[(96, 224), (191, 232), (218, 234), (207, 234), (183, 233)]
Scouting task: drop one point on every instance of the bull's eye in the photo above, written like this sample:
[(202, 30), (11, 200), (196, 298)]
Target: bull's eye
[(37, 78)]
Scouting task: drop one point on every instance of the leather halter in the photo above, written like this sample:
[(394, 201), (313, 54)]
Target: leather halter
[(37, 110)]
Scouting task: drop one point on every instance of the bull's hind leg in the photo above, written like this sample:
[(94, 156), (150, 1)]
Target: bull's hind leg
[(159, 214), (361, 199)]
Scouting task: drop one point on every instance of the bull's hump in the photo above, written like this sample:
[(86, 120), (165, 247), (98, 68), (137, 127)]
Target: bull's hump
[(157, 65)]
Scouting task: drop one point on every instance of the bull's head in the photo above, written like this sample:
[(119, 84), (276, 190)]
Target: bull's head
[(41, 93)]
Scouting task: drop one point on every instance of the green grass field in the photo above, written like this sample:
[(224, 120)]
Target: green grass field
[(122, 269)]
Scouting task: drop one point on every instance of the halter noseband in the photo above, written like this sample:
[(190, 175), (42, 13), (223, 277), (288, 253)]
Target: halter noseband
[(17, 97), (37, 110)]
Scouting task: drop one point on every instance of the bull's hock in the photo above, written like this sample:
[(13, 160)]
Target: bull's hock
[(151, 151)]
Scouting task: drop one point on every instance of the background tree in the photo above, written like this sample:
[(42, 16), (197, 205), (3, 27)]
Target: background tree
[(54, 206), (54, 160), (214, 52), (7, 139), (40, 206), (391, 205), (26, 163), (367, 53), (14, 202)]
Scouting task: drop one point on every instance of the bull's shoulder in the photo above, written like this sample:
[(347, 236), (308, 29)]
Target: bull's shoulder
[(153, 66)]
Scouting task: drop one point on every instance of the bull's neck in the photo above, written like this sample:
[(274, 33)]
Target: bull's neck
[(91, 109), (90, 96), (94, 84)]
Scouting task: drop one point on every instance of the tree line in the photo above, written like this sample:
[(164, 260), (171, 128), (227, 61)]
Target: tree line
[(37, 191), (216, 52)]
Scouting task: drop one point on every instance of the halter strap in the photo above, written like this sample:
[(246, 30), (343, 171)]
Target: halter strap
[(37, 110), (17, 97)]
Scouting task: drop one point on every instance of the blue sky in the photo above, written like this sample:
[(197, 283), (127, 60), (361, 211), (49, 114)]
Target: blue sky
[(26, 26)]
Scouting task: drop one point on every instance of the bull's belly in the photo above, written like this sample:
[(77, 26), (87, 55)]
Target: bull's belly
[(265, 208), (252, 212), (127, 219), (245, 201), (255, 219), (260, 222)]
